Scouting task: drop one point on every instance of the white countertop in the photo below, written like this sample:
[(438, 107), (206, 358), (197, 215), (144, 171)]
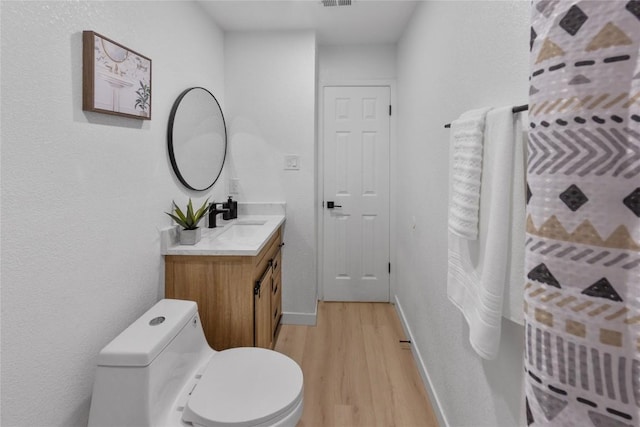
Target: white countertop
[(244, 236)]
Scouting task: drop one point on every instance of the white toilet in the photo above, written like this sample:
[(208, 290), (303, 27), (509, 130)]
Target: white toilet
[(161, 372)]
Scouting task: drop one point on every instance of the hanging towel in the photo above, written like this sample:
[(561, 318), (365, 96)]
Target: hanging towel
[(513, 293), (467, 133), (479, 270)]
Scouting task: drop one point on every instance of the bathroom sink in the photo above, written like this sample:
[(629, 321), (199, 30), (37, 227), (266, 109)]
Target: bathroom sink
[(243, 233)]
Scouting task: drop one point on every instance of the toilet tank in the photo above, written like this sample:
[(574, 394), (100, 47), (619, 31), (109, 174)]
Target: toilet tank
[(141, 373)]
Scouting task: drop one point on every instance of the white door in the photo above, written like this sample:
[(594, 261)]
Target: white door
[(356, 181)]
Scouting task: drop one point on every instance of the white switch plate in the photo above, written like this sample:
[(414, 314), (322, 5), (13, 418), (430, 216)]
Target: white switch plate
[(292, 162), (234, 186)]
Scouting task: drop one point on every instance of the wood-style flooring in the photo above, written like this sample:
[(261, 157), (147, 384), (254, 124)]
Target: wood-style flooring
[(356, 372)]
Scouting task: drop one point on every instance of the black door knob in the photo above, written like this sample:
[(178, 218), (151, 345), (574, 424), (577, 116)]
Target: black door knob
[(331, 205)]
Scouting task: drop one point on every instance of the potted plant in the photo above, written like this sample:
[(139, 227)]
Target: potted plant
[(144, 93), (190, 233)]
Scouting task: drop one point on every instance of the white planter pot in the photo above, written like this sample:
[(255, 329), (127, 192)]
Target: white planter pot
[(190, 237)]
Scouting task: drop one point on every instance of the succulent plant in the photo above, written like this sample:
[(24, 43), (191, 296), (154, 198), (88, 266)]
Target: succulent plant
[(190, 220)]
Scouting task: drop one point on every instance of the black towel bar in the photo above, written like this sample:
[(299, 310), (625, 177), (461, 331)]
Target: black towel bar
[(516, 109)]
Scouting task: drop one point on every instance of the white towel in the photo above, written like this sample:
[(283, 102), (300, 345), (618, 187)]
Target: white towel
[(467, 134), (479, 270), (512, 307)]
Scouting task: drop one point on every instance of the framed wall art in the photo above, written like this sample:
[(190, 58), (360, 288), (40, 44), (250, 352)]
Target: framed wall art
[(115, 79)]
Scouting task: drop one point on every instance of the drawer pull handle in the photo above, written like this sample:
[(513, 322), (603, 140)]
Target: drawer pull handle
[(275, 313), (276, 289), (278, 251)]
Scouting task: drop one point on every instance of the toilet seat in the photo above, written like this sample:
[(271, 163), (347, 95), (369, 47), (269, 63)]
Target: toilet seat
[(244, 387)]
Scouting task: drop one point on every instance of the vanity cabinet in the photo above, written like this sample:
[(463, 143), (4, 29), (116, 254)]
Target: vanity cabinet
[(239, 297)]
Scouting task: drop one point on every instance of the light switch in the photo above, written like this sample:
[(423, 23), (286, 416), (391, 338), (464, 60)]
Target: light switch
[(291, 162)]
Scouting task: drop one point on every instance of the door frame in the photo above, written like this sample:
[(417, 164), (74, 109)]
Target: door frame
[(393, 151)]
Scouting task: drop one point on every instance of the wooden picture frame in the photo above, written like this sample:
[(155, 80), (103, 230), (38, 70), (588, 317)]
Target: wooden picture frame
[(115, 79)]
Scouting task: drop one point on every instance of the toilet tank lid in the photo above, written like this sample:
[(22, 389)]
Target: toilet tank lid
[(144, 339)]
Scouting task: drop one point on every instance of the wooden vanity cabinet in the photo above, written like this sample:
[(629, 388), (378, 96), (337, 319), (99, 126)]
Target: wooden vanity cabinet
[(239, 297)]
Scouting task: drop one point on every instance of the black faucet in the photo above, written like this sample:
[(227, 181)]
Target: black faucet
[(213, 212)]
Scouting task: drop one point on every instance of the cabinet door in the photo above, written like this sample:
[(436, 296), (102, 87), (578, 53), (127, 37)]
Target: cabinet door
[(276, 292), (262, 311)]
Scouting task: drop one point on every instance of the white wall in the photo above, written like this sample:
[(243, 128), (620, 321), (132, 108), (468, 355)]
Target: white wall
[(270, 110), (454, 56), (83, 194), (356, 62)]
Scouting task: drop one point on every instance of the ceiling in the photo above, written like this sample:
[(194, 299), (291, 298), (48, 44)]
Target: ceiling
[(365, 21)]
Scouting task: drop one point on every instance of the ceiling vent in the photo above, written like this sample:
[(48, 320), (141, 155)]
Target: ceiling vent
[(328, 3)]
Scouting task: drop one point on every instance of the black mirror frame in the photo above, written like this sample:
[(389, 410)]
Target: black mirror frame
[(172, 157)]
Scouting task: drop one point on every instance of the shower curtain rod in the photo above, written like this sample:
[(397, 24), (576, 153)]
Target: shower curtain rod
[(516, 109)]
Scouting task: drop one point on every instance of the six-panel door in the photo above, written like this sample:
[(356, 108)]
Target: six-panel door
[(356, 128)]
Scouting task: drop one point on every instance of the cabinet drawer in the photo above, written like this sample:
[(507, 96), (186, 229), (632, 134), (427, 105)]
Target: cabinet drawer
[(276, 291), (277, 260), (267, 254), (276, 303), (275, 320)]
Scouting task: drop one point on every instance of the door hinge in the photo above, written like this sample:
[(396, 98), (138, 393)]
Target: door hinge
[(389, 109), (389, 268), (256, 288)]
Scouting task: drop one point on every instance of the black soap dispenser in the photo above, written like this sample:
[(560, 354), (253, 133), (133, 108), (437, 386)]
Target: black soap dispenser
[(233, 209)]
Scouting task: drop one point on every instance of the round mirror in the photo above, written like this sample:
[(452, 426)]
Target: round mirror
[(197, 138)]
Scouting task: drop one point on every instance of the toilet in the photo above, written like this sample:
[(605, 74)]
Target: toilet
[(160, 371)]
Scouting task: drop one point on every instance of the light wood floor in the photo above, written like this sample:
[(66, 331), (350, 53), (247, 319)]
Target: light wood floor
[(356, 372)]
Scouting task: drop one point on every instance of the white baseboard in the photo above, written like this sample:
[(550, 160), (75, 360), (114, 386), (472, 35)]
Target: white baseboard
[(306, 319), (433, 397)]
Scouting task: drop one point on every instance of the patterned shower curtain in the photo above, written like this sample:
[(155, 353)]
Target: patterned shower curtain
[(582, 297)]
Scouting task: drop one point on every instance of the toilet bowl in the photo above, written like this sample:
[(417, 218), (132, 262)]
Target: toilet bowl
[(160, 371)]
